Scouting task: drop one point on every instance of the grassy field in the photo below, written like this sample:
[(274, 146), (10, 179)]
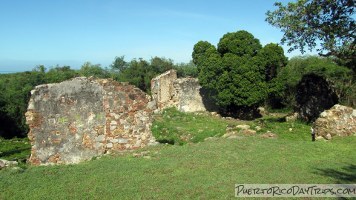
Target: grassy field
[(15, 149), (198, 169)]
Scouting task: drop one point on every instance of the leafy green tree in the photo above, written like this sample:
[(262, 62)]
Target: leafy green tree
[(186, 70), (234, 72), (297, 67), (119, 64), (135, 74), (274, 60), (309, 23), (202, 51), (58, 74), (208, 62), (160, 65), (89, 69), (139, 72), (15, 93), (242, 82), (240, 43), (40, 68)]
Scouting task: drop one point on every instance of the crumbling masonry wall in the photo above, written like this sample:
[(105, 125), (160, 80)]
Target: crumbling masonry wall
[(82, 118), (162, 89), (337, 121), (185, 94)]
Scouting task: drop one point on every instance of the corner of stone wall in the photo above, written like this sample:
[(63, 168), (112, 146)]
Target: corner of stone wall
[(162, 89), (185, 94), (337, 121)]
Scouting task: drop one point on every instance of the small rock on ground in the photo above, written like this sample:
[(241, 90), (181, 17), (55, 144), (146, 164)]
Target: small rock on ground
[(6, 163), (269, 134), (243, 126)]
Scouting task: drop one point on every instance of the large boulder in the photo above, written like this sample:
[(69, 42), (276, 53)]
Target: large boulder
[(82, 118), (314, 95), (339, 120)]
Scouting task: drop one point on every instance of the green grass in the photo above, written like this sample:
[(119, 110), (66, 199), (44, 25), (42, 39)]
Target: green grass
[(204, 170), (295, 130), (15, 149), (175, 127)]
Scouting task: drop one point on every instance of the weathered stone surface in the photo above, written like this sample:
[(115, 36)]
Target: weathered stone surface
[(162, 89), (184, 93), (187, 95), (7, 163), (236, 132), (215, 114), (292, 117), (210, 138), (262, 111), (82, 118), (229, 134), (243, 126), (339, 120), (2, 164)]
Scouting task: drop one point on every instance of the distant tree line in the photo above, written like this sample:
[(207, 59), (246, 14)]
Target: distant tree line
[(16, 87)]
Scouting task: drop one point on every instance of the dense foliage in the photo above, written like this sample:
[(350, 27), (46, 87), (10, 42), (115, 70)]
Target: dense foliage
[(139, 72), (96, 70), (341, 78), (239, 70), (329, 24), (274, 60)]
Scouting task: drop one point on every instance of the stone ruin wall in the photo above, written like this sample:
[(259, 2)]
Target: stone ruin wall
[(79, 119), (162, 89), (82, 118), (337, 121), (185, 94)]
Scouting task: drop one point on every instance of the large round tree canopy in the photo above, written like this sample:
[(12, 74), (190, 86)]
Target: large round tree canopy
[(239, 43), (237, 70)]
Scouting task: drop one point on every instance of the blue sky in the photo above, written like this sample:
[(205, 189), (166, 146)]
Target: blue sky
[(71, 32)]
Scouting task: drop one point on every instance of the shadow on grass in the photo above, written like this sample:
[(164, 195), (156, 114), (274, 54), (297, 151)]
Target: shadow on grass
[(14, 151), (263, 121), (166, 141), (346, 175)]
